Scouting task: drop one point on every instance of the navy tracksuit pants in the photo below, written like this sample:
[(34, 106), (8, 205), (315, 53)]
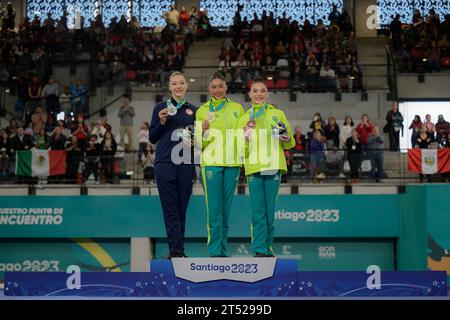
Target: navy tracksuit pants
[(175, 188)]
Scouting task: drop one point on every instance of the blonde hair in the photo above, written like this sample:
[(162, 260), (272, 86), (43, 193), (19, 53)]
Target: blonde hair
[(177, 73)]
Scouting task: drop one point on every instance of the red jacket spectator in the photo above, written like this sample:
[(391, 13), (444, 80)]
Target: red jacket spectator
[(364, 129)]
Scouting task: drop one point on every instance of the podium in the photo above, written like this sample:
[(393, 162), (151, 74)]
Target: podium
[(226, 277)]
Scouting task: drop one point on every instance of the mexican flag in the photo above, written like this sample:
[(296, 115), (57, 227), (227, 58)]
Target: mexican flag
[(429, 161), (41, 163)]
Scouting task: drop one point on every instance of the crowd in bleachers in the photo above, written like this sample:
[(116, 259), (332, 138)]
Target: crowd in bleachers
[(332, 149), (421, 45), (122, 50), (302, 57), (91, 149)]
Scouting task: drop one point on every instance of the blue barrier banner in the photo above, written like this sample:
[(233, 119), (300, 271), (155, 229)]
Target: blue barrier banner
[(141, 216), (362, 284), (162, 282), (91, 284)]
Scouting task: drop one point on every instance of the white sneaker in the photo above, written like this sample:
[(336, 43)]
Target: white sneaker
[(341, 175), (321, 176)]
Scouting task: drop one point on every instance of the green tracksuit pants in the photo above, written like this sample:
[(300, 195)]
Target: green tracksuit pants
[(219, 184), (263, 197)]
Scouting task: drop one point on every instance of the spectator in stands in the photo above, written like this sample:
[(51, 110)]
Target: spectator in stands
[(74, 158), (354, 153), (394, 124), (300, 141), (41, 140), (149, 164), (423, 141), (334, 16), (442, 128), (376, 154), (50, 93), (28, 129), (34, 93), (12, 128), (38, 120), (22, 141), (317, 124), (415, 126), (332, 132), (311, 62), (8, 18), (78, 98), (172, 18), (99, 131), (64, 130), (92, 158), (334, 159), (57, 139), (143, 141), (328, 78), (364, 129), (81, 131), (395, 29), (5, 154), (50, 125), (61, 25), (184, 17), (346, 132), (316, 154), (431, 128), (108, 149), (193, 20), (126, 114), (64, 101)]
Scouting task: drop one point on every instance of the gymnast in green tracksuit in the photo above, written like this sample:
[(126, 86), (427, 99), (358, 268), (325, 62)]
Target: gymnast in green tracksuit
[(267, 134), (215, 133)]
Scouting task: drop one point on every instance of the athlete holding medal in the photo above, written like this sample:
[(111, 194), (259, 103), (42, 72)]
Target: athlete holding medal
[(174, 177), (267, 133), (220, 167)]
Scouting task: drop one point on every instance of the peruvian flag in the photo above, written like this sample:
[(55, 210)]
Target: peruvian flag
[(429, 161)]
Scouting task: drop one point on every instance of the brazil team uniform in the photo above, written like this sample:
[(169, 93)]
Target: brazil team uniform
[(174, 181), (220, 167), (264, 176)]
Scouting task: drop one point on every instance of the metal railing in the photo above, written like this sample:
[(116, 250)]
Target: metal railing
[(135, 168), (392, 72)]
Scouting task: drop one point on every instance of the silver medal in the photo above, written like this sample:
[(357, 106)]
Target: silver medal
[(172, 110)]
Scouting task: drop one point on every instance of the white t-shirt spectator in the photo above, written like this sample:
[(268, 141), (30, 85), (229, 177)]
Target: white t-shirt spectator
[(328, 74)]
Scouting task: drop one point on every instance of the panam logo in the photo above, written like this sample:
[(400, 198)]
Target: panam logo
[(429, 160)]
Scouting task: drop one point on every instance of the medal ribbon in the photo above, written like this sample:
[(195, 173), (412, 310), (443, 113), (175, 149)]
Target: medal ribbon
[(179, 105), (218, 108), (254, 116)]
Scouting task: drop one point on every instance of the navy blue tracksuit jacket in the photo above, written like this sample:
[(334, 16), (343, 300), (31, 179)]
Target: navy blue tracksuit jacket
[(174, 181)]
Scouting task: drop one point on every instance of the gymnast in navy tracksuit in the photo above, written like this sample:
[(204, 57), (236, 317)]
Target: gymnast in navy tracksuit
[(174, 179)]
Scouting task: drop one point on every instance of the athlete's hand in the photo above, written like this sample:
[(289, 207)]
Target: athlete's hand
[(163, 114)]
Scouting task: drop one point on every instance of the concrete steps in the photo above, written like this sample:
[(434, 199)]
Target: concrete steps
[(372, 58)]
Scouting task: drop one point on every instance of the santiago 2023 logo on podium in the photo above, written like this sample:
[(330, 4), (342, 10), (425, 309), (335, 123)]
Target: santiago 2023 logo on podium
[(210, 269)]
